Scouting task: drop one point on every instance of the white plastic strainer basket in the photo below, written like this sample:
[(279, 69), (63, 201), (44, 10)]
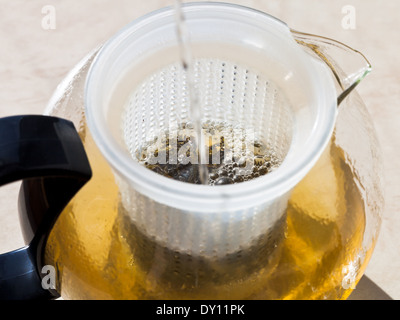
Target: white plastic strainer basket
[(249, 71)]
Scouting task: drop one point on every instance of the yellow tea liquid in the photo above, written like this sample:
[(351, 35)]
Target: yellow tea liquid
[(317, 254)]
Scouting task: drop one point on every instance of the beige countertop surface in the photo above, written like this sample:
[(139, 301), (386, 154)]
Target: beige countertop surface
[(35, 56)]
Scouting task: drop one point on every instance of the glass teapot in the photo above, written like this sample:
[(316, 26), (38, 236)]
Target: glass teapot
[(106, 227)]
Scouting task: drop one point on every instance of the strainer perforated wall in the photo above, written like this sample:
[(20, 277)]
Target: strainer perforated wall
[(227, 92)]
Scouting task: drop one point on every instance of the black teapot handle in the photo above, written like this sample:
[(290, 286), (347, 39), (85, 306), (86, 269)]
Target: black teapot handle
[(46, 153)]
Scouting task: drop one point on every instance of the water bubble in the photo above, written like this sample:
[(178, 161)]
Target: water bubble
[(214, 175), (242, 162), (263, 171), (237, 178), (189, 125), (224, 180)]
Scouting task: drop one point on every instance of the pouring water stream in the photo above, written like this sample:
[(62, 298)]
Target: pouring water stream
[(194, 107)]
